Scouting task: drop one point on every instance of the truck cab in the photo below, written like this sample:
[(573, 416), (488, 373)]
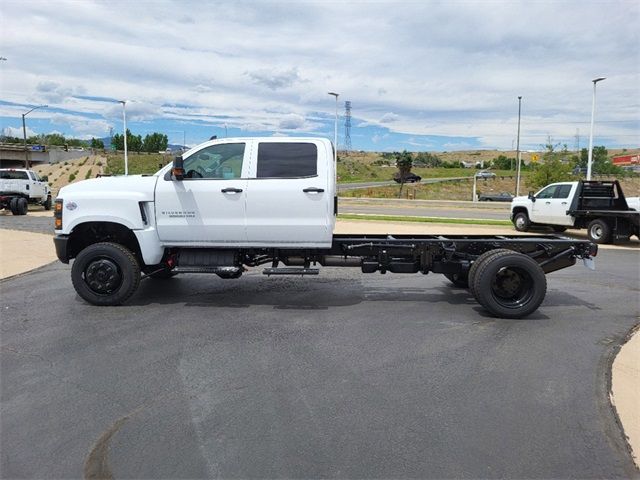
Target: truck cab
[(547, 206)]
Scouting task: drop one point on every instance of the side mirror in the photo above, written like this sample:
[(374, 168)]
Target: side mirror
[(177, 171), (531, 196)]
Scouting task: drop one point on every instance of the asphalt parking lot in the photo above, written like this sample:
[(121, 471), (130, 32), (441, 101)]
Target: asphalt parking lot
[(343, 376)]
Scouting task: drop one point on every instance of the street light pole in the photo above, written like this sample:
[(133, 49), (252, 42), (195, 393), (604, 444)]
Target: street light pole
[(593, 113), (335, 133), (124, 120), (24, 134), (518, 148)]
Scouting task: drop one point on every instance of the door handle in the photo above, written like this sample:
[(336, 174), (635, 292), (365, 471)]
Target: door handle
[(231, 190), (313, 190), (548, 203), (564, 203)]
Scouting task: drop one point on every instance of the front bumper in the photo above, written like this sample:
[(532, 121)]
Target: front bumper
[(61, 241)]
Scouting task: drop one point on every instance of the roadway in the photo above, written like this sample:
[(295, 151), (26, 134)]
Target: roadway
[(340, 376)]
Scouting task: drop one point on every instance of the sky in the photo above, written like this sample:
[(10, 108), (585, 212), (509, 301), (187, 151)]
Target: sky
[(420, 75)]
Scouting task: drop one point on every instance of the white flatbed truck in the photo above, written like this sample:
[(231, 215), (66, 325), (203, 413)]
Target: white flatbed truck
[(232, 204)]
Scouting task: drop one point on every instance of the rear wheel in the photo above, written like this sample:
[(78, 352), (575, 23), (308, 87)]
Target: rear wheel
[(47, 203), (510, 285), (105, 274), (22, 206), (521, 222), (13, 206), (599, 231), (476, 264)]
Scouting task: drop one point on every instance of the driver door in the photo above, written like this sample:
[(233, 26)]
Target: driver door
[(207, 207)]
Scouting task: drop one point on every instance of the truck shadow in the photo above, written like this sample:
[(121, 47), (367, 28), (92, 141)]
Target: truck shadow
[(313, 294)]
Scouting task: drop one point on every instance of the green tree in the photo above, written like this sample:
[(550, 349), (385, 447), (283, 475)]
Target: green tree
[(154, 143), (404, 162), (96, 143), (134, 142), (503, 162), (427, 159), (554, 167)]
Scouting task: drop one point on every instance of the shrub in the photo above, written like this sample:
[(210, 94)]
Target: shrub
[(72, 177), (88, 175)]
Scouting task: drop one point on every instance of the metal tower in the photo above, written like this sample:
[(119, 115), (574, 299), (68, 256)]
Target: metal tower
[(347, 126)]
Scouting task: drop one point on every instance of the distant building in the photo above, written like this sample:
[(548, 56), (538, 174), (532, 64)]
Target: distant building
[(627, 161)]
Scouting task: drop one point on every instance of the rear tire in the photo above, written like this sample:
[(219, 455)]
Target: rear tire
[(13, 206), (510, 285), (599, 231), (47, 203), (476, 264), (22, 206), (521, 222), (105, 274)]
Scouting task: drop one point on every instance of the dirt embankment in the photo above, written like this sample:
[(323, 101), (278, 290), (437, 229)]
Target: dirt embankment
[(70, 171)]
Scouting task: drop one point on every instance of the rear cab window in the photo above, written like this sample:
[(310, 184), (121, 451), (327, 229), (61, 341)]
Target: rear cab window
[(287, 160)]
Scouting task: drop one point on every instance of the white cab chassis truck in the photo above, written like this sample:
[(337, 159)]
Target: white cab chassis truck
[(19, 187), (229, 205), (600, 206)]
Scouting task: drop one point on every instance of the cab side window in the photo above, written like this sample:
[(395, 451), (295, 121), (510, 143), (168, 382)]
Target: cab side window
[(221, 162), (562, 191), (287, 160), (547, 192)]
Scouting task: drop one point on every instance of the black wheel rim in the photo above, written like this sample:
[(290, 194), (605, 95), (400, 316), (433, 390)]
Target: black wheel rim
[(103, 276), (512, 287)]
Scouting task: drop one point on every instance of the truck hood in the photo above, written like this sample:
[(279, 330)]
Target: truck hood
[(140, 187), (521, 200)]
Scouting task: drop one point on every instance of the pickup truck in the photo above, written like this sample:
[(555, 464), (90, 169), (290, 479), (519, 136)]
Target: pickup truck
[(19, 187), (598, 206), (228, 205)]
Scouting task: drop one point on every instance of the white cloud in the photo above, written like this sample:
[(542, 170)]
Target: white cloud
[(419, 68), (17, 132), (292, 122), (389, 117)]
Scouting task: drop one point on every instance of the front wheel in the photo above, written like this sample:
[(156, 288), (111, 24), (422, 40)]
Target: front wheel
[(105, 274), (521, 222), (510, 285)]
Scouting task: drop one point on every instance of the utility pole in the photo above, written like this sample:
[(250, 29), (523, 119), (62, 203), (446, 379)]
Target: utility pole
[(335, 134), (24, 134), (518, 149), (593, 114), (124, 120)]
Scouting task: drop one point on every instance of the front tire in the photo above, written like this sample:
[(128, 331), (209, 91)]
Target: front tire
[(510, 285), (521, 222), (599, 231), (105, 274)]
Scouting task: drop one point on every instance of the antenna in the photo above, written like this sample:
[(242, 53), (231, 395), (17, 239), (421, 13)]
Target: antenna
[(347, 126)]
